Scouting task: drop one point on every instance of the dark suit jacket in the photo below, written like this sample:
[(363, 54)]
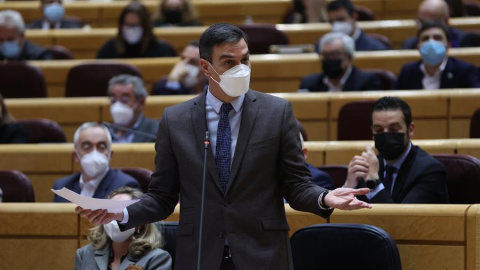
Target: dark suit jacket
[(321, 178), (112, 180), (65, 23), (357, 81), (368, 43), (457, 39), (268, 165), (457, 74), (13, 133), (31, 51), (147, 125), (421, 179)]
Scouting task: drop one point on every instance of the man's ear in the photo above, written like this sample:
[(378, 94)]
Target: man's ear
[(411, 129), (204, 65), (75, 157)]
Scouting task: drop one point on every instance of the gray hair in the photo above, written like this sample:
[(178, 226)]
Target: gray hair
[(12, 19), (124, 79), (91, 125), (348, 42)]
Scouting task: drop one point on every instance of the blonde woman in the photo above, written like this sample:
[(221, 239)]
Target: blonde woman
[(112, 249)]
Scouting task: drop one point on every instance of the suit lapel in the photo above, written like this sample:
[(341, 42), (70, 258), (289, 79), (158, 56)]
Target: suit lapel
[(199, 123), (249, 115), (102, 189), (404, 173), (447, 79), (349, 83), (101, 257)]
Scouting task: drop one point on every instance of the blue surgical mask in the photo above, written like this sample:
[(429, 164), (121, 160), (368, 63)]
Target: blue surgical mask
[(54, 12), (10, 49), (433, 52)]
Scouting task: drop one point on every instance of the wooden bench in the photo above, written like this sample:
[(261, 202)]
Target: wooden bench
[(429, 237), (270, 73), (85, 43), (46, 163), (437, 114)]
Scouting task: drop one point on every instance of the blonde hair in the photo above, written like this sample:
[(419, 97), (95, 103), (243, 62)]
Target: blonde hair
[(144, 239)]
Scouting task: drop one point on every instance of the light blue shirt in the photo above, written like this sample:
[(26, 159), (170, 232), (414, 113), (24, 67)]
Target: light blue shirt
[(212, 109), (397, 164), (127, 137)]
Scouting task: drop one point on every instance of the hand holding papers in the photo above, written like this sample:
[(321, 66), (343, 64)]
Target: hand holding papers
[(112, 206)]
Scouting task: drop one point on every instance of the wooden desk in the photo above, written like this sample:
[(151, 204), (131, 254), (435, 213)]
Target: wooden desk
[(106, 14), (429, 237), (437, 114), (46, 163), (271, 73)]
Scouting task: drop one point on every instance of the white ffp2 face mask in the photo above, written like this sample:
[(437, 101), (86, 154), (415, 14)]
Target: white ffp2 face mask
[(132, 34), (121, 113), (192, 77), (235, 81), (94, 163), (342, 27), (113, 231)]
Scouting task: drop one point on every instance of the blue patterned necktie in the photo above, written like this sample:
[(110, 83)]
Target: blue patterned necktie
[(224, 143)]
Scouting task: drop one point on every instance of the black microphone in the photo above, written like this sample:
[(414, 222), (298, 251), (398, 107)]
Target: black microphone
[(134, 131), (206, 142)]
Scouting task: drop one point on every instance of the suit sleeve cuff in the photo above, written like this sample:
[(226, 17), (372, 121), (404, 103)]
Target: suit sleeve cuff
[(125, 217), (375, 191)]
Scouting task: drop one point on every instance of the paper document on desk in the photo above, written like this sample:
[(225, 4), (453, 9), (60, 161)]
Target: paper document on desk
[(112, 206)]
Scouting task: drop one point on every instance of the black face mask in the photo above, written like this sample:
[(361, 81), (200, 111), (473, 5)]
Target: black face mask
[(332, 68), (390, 144), (173, 16)]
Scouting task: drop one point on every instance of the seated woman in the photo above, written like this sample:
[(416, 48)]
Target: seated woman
[(175, 13), (135, 38), (110, 248), (10, 130)]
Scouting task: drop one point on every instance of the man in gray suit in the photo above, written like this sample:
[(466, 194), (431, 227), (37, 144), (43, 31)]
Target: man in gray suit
[(127, 98), (254, 161)]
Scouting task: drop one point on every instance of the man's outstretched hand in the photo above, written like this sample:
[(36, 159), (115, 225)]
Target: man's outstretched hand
[(344, 198), (98, 217)]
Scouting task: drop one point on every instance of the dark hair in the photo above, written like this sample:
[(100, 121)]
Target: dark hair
[(392, 104), (193, 43), (148, 37), (339, 4), (218, 34), (433, 24)]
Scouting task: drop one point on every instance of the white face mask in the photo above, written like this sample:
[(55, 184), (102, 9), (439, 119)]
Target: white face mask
[(192, 77), (121, 113), (235, 81), (132, 35), (342, 27), (113, 231), (94, 163)]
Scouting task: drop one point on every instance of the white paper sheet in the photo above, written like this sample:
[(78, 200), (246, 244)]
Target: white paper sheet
[(112, 206)]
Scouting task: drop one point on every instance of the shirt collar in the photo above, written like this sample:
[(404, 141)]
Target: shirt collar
[(95, 182), (342, 80), (217, 103), (439, 70), (46, 25), (398, 163)]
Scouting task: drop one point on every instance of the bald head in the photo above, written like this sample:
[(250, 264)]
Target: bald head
[(433, 10)]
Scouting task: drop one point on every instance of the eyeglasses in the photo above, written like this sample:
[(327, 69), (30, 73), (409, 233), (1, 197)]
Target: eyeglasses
[(124, 100)]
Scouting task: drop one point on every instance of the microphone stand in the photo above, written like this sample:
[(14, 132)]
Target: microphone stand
[(204, 176)]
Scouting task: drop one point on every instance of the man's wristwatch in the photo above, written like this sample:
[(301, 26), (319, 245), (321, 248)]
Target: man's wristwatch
[(323, 205), (372, 183)]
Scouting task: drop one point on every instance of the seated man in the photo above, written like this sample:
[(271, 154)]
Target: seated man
[(436, 70), (402, 172), (438, 10), (127, 97), (13, 44), (53, 18), (338, 74), (93, 150), (343, 17), (185, 78), (319, 177)]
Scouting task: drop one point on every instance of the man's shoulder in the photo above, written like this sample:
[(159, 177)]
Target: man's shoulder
[(119, 176), (459, 64), (67, 180), (427, 161), (33, 51)]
